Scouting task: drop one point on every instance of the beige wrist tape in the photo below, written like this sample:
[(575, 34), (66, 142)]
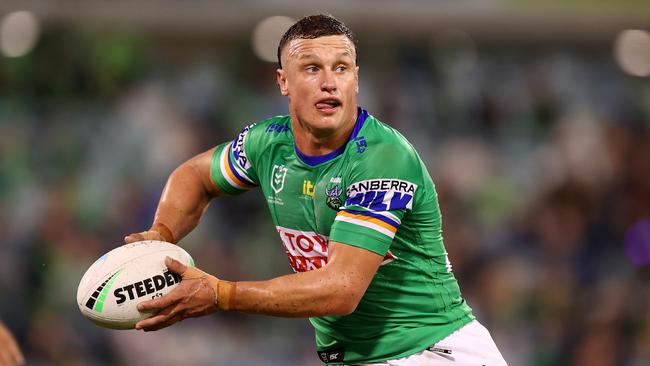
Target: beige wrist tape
[(164, 232), (225, 294)]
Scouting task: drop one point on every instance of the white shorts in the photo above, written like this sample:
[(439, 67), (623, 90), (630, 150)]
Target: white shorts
[(471, 345)]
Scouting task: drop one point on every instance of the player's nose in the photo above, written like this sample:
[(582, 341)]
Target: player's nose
[(328, 81)]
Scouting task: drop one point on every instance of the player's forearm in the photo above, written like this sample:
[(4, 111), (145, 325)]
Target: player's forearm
[(303, 294), (182, 203)]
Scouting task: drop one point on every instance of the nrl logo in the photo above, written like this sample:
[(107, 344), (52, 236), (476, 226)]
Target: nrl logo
[(333, 197), (277, 178)]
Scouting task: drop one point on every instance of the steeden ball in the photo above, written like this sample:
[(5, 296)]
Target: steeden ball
[(127, 275)]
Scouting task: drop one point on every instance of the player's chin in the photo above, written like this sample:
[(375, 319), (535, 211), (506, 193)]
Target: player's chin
[(329, 117), (327, 125)]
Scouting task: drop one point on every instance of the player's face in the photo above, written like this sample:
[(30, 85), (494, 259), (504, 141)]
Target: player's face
[(321, 80)]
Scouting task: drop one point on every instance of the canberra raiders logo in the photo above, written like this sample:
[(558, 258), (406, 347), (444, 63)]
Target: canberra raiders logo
[(334, 197)]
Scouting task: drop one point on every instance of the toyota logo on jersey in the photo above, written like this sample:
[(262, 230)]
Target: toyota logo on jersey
[(306, 250)]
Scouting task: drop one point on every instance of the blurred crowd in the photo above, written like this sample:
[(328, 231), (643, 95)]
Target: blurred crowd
[(541, 158)]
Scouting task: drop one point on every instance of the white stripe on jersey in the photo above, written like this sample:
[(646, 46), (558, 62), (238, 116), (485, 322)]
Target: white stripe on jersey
[(231, 171), (223, 170), (385, 214), (367, 224), (388, 215), (240, 171)]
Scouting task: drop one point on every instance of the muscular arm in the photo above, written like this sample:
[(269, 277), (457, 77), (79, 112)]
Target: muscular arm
[(184, 199), (334, 289)]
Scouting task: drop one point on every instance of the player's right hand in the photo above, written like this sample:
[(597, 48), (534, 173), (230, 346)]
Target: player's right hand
[(196, 295), (144, 235), (10, 354)]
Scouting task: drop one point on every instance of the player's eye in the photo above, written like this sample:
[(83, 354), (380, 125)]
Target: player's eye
[(341, 68), (311, 68)]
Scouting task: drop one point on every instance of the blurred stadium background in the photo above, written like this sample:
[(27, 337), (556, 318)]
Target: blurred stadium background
[(532, 116)]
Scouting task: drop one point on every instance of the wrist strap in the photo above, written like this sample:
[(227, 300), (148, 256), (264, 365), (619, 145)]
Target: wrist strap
[(164, 231), (225, 294)]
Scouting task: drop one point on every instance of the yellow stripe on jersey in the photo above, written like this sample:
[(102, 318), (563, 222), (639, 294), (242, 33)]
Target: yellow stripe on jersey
[(366, 221), (228, 172)]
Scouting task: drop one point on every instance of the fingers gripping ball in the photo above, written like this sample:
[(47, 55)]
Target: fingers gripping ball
[(112, 287), (159, 231), (195, 296)]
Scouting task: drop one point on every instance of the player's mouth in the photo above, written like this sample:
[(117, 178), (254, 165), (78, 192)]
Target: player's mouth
[(328, 105)]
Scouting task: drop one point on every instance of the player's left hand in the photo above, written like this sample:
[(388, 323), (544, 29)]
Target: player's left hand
[(144, 235), (195, 295)]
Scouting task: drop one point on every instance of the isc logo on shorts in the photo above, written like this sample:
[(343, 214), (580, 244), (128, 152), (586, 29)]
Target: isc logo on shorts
[(381, 194), (306, 250)]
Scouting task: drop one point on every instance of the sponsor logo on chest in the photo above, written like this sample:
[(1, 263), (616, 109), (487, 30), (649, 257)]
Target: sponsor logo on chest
[(308, 188), (306, 250)]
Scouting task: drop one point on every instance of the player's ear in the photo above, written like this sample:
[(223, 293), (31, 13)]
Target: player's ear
[(356, 78), (282, 81)]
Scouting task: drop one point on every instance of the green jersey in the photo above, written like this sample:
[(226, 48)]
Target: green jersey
[(374, 193)]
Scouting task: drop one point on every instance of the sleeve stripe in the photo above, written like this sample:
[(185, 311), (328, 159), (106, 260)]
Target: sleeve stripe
[(390, 216), (394, 221), (237, 172), (368, 222), (227, 172), (386, 214)]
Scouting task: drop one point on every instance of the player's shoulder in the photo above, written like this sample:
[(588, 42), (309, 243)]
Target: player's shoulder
[(272, 127), (383, 160), (261, 133), (380, 141)]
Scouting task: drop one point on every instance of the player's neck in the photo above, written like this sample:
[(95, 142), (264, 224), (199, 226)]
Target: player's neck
[(316, 143)]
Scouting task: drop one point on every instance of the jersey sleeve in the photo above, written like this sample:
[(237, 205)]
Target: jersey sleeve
[(381, 190), (232, 169)]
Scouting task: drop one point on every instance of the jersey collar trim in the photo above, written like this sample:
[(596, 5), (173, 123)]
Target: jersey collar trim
[(362, 114)]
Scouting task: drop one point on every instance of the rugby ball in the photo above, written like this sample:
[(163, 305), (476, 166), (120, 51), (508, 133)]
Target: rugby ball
[(127, 275)]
